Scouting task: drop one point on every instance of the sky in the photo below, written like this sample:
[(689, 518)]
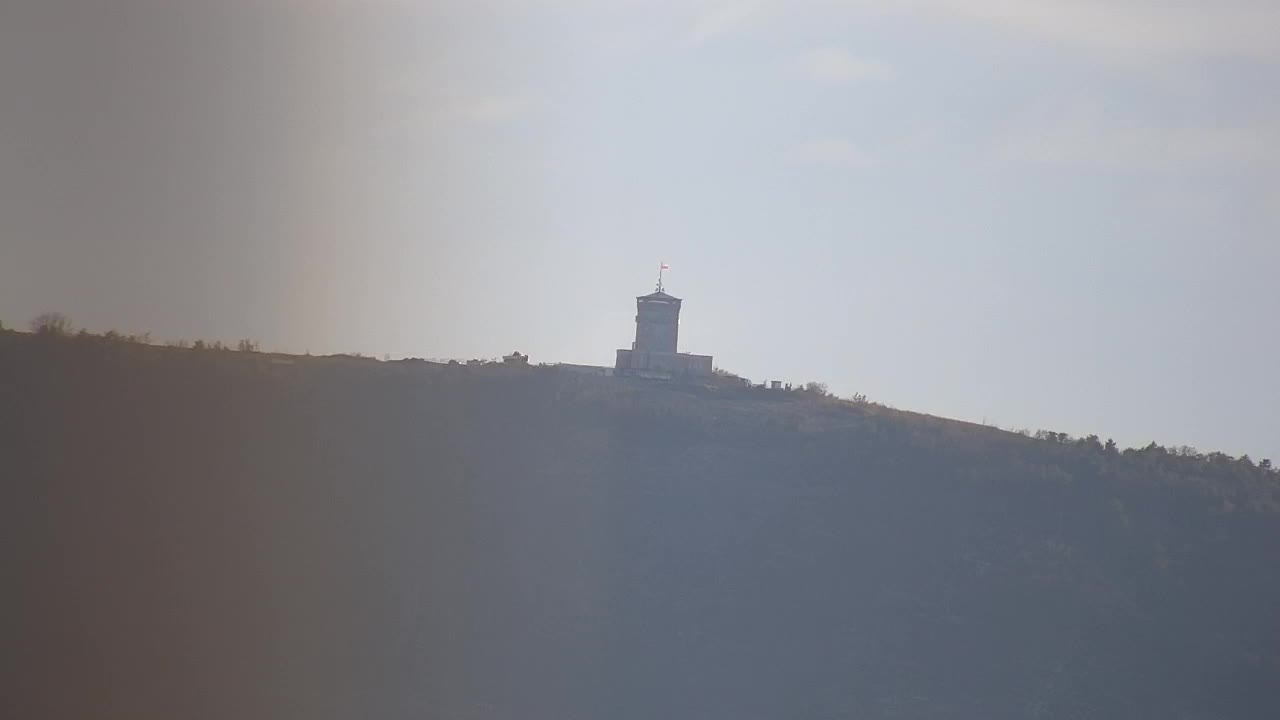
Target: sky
[(1059, 214)]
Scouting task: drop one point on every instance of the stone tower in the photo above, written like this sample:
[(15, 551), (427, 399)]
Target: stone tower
[(657, 323), (654, 353)]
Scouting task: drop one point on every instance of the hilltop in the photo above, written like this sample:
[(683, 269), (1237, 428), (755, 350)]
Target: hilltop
[(205, 533)]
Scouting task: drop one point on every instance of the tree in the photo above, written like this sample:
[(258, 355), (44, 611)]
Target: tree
[(247, 345), (51, 323), (817, 388)]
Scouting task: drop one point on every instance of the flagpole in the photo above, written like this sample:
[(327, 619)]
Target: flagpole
[(661, 267)]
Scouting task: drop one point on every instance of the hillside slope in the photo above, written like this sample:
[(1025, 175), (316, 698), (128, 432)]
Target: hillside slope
[(214, 535)]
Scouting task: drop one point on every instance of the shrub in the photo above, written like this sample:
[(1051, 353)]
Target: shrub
[(817, 388), (51, 323)]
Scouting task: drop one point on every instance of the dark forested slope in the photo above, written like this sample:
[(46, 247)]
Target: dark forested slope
[(214, 534)]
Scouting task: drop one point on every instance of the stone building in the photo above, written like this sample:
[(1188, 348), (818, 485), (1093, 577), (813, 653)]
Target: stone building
[(655, 353)]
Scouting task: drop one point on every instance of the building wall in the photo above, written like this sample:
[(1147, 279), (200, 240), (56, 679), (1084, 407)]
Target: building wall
[(657, 325), (585, 369), (670, 364), (699, 364)]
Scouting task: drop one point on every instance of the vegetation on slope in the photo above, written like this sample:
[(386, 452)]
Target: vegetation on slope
[(218, 534)]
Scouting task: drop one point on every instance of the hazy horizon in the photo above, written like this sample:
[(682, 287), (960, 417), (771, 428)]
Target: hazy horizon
[(1038, 214)]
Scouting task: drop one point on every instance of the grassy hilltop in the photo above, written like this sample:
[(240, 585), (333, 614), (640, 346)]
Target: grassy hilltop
[(198, 533)]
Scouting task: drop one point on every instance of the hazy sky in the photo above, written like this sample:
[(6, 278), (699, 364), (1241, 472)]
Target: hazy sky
[(1045, 213)]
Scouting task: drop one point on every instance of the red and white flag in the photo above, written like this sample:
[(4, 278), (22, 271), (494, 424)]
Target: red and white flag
[(664, 266)]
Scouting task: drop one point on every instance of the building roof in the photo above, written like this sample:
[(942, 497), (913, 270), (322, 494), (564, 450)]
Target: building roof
[(659, 295)]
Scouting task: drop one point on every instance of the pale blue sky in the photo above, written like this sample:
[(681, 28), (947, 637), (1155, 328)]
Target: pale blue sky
[(1039, 212)]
